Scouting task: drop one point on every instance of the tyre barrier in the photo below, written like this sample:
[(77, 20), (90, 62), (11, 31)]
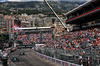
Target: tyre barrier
[(57, 61)]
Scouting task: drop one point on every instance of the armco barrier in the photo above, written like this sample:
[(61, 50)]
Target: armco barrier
[(57, 61), (10, 63)]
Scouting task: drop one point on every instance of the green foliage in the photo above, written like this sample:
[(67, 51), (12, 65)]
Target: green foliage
[(38, 7), (29, 12)]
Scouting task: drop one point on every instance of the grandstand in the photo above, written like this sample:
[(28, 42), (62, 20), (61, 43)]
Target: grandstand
[(34, 34), (85, 16)]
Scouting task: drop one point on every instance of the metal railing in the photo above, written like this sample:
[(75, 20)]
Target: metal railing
[(90, 57), (10, 63)]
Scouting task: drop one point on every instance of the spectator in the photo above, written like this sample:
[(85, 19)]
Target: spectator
[(80, 51)]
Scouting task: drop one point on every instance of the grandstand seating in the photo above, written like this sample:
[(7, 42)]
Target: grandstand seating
[(77, 39), (30, 38)]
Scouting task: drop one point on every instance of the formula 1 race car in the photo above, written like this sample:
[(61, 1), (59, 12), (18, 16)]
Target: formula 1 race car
[(22, 53), (15, 59), (13, 49)]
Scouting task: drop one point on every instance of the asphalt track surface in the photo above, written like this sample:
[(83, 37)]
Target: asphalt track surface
[(30, 59)]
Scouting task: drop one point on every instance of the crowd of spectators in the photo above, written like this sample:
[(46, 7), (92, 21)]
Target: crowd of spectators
[(77, 40), (70, 41), (28, 38), (46, 37), (34, 38)]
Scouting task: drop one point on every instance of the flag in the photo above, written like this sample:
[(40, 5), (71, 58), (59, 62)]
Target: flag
[(13, 26)]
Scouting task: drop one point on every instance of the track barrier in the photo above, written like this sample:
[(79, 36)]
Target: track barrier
[(88, 61), (80, 57), (10, 63), (57, 61)]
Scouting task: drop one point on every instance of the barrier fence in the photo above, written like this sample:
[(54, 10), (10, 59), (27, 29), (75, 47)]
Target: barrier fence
[(57, 61), (10, 63), (89, 58)]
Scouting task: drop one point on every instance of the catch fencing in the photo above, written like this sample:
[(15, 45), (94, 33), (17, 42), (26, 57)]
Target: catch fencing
[(57, 61), (89, 58)]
